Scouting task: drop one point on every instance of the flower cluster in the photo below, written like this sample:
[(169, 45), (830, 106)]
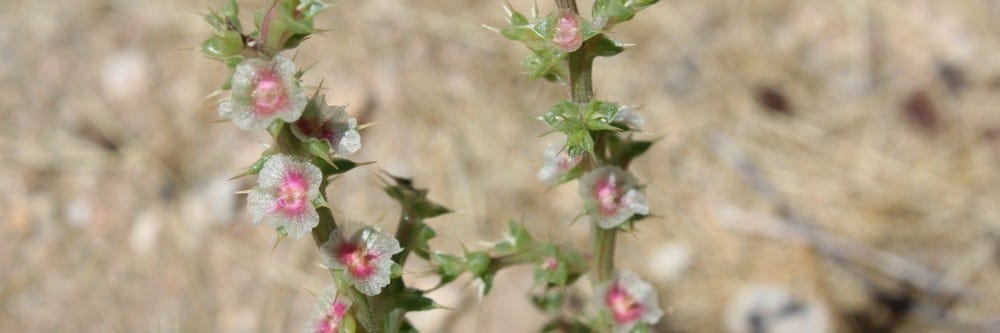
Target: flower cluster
[(600, 144), (265, 91)]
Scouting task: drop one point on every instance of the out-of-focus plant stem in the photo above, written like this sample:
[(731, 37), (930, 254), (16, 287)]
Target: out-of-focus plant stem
[(582, 91)]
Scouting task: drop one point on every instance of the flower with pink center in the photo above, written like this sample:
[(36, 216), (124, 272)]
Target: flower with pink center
[(284, 194), (612, 196), (329, 312), (363, 253), (331, 123), (627, 300), (568, 36), (262, 91), (557, 163)]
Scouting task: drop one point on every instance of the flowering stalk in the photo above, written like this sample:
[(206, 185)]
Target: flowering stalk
[(310, 138), (581, 92), (599, 147)]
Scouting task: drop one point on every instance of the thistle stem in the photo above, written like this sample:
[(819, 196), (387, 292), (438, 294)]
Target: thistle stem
[(404, 234), (582, 91), (604, 253), (580, 64)]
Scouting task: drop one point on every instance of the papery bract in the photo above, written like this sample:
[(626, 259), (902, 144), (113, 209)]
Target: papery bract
[(263, 90), (612, 196), (283, 197), (329, 312), (557, 163), (363, 253), (627, 300), (631, 117), (331, 123)]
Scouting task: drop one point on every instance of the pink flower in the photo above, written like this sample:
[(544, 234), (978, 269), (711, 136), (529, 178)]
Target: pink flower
[(568, 36), (332, 124), (329, 312), (284, 194), (364, 254), (612, 196), (557, 163), (262, 91), (627, 300)]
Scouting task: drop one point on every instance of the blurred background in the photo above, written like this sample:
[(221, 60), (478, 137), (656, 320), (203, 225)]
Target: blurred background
[(825, 166)]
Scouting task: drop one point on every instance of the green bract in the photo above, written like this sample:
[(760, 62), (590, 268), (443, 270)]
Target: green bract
[(607, 13), (577, 122), (287, 23), (547, 59)]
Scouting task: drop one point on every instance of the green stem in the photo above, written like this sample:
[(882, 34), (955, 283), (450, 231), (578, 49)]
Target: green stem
[(404, 234), (530, 256), (321, 233), (604, 253), (580, 65), (385, 302), (582, 91)]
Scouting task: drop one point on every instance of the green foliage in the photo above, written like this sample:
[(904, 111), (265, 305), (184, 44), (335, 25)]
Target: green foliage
[(560, 266), (547, 60), (414, 300), (254, 168), (226, 19), (288, 23), (551, 300), (423, 235), (548, 64), (223, 45), (571, 174), (413, 200), (623, 150), (448, 267), (518, 240), (607, 13), (605, 46), (578, 121)]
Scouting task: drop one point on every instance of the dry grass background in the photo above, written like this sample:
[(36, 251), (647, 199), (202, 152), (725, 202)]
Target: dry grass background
[(117, 217)]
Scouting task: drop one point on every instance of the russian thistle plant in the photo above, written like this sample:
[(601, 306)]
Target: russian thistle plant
[(310, 140), (598, 150)]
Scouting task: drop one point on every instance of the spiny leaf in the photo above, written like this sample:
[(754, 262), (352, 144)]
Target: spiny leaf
[(606, 47)]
